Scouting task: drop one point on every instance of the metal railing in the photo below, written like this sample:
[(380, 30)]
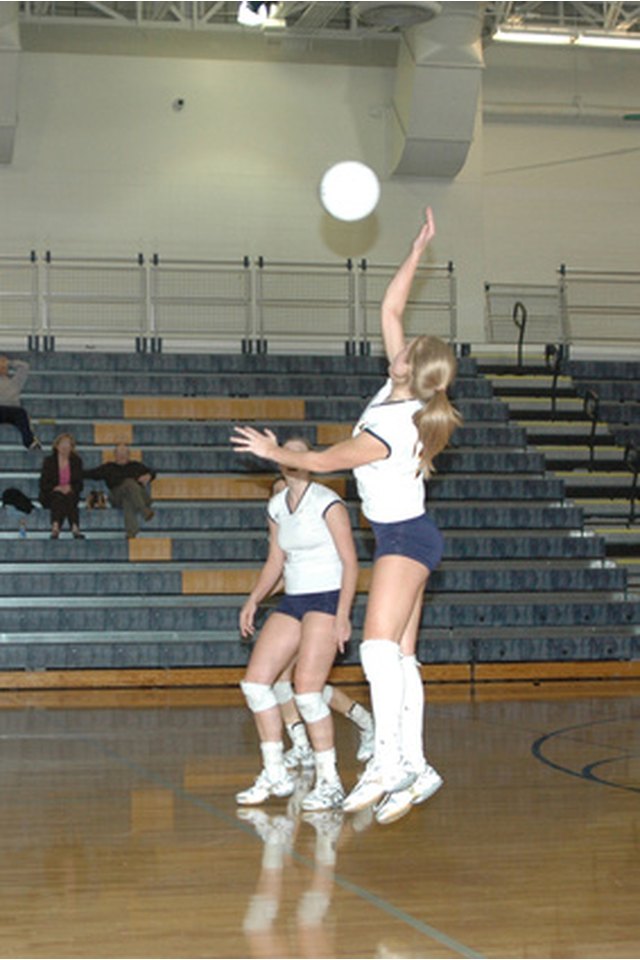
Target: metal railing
[(203, 299), (86, 296), (431, 308), (582, 307), (602, 305), (632, 462), (314, 301), (522, 313), (19, 294), (252, 302)]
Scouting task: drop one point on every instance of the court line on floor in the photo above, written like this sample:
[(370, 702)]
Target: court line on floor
[(371, 898), (586, 773)]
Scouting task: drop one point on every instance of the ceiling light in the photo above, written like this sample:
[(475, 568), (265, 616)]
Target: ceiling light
[(554, 37), (611, 41)]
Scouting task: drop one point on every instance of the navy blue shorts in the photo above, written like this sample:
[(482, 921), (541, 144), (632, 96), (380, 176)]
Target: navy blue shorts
[(418, 538), (297, 604)]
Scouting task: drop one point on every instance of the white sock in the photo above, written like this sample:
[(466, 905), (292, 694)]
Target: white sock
[(381, 664), (272, 759), (360, 716), (412, 718), (326, 764), (298, 733)]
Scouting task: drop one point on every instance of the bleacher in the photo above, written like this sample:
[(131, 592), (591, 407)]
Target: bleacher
[(523, 580), (587, 425)]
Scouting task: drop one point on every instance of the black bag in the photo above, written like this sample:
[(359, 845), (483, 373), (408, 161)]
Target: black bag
[(12, 497), (96, 500)]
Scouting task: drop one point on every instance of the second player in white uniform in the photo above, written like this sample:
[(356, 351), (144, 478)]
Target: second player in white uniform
[(311, 546)]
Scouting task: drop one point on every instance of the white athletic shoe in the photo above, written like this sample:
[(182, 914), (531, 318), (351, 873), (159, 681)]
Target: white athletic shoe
[(395, 805), (326, 795), (375, 782), (367, 740), (264, 788), (299, 756)]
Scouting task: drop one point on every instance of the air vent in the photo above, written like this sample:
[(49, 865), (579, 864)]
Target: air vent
[(396, 14)]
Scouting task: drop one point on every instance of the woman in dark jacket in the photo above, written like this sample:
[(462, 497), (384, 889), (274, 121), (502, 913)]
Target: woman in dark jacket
[(61, 485)]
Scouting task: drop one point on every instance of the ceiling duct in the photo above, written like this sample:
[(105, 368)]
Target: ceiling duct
[(436, 94), (396, 14), (9, 63)]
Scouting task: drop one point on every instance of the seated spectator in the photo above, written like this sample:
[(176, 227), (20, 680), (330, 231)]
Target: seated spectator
[(129, 483), (61, 485), (12, 379)]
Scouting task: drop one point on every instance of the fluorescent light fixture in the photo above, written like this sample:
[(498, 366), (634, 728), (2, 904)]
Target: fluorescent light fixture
[(609, 41), (554, 37)]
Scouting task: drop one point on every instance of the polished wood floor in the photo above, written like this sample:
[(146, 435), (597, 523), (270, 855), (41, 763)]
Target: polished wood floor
[(120, 836)]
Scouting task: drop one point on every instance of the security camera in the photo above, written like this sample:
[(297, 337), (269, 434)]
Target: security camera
[(178, 104)]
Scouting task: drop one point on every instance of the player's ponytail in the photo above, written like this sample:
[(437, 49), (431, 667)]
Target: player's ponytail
[(433, 369)]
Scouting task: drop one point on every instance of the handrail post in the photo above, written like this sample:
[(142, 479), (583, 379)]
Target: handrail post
[(591, 407), (365, 346), (245, 343), (554, 356), (258, 291), (632, 460), (520, 320), (350, 342), (564, 307), (453, 303)]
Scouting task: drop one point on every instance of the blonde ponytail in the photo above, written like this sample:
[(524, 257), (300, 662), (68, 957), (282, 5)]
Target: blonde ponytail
[(433, 370)]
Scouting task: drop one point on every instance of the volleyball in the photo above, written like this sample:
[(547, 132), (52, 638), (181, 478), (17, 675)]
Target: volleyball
[(349, 190)]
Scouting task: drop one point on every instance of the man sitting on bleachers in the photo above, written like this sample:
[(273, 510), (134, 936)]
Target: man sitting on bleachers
[(129, 484), (12, 379)]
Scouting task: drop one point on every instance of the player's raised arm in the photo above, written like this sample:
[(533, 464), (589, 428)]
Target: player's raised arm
[(397, 293)]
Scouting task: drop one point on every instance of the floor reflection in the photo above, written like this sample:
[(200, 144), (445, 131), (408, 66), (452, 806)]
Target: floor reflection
[(265, 936)]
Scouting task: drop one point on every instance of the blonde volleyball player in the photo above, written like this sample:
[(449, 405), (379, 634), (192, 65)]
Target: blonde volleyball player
[(311, 546), (391, 451)]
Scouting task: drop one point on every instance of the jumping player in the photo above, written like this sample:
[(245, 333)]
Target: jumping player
[(408, 422)]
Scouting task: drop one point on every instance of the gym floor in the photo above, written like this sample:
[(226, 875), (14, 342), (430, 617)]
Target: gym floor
[(121, 838)]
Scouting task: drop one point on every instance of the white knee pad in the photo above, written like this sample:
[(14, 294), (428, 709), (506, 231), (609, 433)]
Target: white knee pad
[(259, 696), (327, 693), (312, 707), (283, 691)]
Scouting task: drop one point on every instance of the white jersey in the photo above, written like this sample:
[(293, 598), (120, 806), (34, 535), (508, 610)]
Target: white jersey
[(391, 489), (312, 562)]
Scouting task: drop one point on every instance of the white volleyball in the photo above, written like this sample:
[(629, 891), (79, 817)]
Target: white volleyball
[(349, 190)]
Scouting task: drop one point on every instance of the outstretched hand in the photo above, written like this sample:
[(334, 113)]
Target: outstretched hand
[(427, 232), (249, 440)]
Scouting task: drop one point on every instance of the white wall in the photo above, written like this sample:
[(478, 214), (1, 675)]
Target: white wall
[(104, 165), (564, 190)]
